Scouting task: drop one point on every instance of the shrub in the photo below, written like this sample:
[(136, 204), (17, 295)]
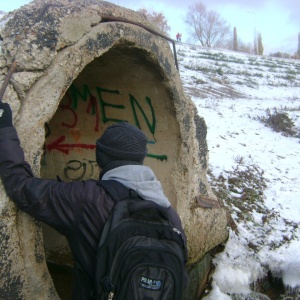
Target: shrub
[(241, 189), (220, 71), (279, 122), (198, 80)]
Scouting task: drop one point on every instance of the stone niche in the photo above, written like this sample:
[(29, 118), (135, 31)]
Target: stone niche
[(82, 66), (121, 85)]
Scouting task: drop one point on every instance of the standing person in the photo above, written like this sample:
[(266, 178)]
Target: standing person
[(79, 210), (177, 36)]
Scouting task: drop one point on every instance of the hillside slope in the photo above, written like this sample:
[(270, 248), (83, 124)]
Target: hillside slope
[(254, 169), (228, 74)]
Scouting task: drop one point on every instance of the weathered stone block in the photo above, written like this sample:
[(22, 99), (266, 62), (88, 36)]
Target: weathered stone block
[(77, 74)]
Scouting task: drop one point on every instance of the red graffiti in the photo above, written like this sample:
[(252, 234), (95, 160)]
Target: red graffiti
[(93, 105), (65, 148)]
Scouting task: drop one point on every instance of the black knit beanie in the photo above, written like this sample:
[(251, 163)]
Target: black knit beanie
[(121, 144)]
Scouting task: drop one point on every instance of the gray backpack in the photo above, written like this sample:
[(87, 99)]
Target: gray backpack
[(141, 256)]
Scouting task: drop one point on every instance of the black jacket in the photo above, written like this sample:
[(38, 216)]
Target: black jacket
[(78, 210)]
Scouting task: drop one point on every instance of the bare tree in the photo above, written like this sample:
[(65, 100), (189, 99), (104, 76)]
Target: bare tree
[(242, 47), (207, 26), (157, 19), (280, 54), (246, 48)]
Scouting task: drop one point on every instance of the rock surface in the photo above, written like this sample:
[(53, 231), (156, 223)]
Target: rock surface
[(78, 71)]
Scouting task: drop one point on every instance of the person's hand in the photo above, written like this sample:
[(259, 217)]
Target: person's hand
[(5, 115)]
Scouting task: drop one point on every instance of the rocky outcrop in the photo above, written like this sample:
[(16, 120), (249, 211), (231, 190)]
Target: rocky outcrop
[(81, 66)]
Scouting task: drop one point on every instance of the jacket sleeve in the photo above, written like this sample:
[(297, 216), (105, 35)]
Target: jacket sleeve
[(50, 201)]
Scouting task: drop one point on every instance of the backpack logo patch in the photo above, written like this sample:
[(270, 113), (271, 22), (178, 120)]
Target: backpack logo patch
[(151, 284)]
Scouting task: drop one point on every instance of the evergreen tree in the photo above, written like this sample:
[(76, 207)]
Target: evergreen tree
[(260, 47), (298, 51), (235, 41)]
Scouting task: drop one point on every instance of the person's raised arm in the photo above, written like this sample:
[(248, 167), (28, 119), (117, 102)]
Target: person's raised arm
[(44, 199)]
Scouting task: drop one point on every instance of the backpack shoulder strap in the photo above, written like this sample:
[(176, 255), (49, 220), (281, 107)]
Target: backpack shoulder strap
[(117, 190)]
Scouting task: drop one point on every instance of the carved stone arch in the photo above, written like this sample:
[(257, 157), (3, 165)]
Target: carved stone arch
[(128, 73)]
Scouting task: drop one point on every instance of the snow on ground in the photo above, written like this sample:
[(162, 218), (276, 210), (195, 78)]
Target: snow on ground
[(234, 132)]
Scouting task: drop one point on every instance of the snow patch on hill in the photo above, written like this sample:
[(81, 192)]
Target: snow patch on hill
[(233, 92)]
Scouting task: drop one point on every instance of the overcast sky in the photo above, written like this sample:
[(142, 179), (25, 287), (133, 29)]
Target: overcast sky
[(278, 21)]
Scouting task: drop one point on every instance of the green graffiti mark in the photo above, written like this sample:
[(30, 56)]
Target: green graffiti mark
[(135, 103), (74, 92), (137, 110), (160, 157), (104, 104)]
